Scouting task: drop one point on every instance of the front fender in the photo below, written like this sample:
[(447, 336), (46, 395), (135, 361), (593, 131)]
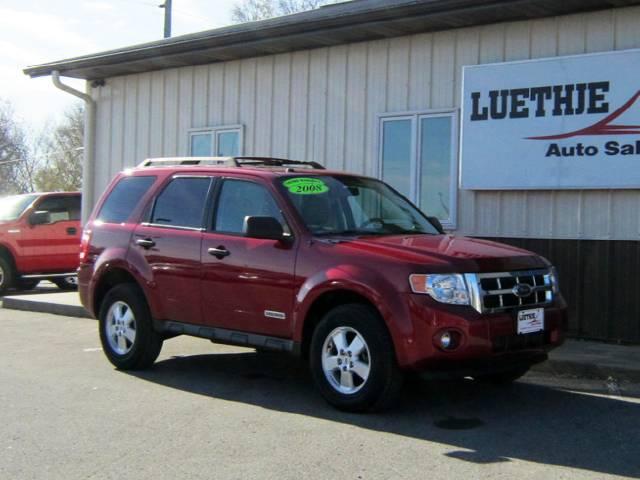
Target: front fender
[(379, 291)]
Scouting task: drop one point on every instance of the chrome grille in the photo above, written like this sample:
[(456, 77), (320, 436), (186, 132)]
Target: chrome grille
[(497, 291)]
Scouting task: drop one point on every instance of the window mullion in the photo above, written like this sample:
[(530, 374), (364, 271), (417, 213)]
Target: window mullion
[(416, 167)]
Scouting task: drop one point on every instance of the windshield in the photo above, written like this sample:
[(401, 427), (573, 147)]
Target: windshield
[(12, 207), (346, 205)]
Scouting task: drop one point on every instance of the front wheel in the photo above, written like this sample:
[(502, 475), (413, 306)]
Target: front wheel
[(7, 275), (69, 283), (353, 361), (126, 329)]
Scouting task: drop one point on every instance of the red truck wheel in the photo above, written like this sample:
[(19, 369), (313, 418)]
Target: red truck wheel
[(6, 275)]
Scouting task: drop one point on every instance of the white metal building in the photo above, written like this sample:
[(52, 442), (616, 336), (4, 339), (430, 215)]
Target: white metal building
[(375, 87)]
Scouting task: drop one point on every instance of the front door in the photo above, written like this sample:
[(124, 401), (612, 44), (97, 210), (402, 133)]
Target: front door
[(171, 242), (248, 283), (54, 246)]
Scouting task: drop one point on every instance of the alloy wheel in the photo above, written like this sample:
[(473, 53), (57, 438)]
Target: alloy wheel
[(346, 360), (120, 328)]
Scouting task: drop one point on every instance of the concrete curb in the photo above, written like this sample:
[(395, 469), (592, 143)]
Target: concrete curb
[(568, 368), (33, 305)]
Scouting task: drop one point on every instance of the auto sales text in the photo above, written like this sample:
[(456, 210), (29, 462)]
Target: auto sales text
[(610, 148)]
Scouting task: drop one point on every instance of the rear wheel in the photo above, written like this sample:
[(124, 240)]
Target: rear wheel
[(353, 361), (126, 329), (66, 283), (7, 275)]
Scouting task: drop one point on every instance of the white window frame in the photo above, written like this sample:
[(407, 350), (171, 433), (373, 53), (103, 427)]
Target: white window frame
[(415, 165), (215, 132)]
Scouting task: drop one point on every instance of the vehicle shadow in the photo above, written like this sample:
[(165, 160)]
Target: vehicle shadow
[(39, 290), (485, 424)]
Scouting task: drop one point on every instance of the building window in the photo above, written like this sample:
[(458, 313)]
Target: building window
[(223, 141), (418, 158)]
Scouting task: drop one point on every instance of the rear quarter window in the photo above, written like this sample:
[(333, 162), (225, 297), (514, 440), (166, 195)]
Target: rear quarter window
[(124, 198)]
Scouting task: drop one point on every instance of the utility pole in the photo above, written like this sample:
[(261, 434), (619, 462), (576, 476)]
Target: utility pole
[(167, 17)]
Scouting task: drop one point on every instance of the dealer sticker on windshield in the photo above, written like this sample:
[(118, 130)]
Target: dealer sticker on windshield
[(530, 321), (306, 186)]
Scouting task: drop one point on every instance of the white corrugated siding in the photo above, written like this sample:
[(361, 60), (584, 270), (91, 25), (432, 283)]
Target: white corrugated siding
[(322, 105)]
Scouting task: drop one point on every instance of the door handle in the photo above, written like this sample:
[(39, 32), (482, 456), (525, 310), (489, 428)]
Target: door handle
[(219, 252), (145, 243), (72, 231)]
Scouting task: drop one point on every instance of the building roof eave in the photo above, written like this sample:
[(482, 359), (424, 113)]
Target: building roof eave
[(349, 22)]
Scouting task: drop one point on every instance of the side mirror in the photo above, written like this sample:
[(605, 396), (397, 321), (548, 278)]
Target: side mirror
[(436, 223), (40, 217), (263, 227)]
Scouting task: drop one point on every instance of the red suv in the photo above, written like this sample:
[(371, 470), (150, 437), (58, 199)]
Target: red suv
[(39, 239), (338, 268)]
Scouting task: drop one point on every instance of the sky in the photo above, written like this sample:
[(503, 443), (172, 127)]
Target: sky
[(40, 31)]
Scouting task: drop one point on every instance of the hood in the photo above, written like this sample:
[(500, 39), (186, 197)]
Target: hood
[(449, 252)]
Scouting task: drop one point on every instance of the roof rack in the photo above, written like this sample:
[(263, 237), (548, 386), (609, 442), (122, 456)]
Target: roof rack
[(229, 162)]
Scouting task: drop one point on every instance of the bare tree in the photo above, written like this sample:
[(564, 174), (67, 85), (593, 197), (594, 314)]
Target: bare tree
[(252, 10), (61, 152), (17, 167)]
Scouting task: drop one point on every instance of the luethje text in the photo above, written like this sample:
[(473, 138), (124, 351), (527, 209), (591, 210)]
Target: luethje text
[(554, 100)]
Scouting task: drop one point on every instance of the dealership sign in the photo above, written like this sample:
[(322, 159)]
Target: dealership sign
[(567, 122)]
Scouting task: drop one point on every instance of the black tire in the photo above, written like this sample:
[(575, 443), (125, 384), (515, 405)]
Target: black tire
[(25, 284), (147, 343), (69, 283), (384, 380), (504, 378), (7, 275)]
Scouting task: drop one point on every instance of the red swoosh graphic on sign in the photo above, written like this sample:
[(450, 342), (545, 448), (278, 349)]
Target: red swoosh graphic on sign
[(602, 127)]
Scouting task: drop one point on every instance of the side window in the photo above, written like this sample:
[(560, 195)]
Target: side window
[(124, 197), (182, 202), (239, 199), (61, 209)]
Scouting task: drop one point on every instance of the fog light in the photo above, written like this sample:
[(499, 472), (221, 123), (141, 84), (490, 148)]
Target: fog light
[(447, 339)]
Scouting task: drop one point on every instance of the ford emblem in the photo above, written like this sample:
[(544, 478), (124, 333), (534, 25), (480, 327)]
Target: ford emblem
[(522, 290)]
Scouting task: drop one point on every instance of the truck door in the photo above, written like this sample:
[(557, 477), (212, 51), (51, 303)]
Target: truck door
[(53, 246)]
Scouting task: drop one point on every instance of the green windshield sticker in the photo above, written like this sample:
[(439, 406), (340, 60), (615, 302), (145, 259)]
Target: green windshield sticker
[(306, 186)]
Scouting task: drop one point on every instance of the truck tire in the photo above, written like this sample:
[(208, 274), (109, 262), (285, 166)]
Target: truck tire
[(352, 360), (7, 275), (69, 283), (126, 329)]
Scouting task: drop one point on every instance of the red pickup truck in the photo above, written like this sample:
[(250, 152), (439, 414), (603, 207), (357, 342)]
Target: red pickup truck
[(337, 268), (39, 239)]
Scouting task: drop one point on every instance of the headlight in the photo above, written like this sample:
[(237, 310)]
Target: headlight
[(445, 288)]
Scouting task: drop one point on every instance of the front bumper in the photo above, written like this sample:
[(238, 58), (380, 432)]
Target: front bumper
[(489, 342)]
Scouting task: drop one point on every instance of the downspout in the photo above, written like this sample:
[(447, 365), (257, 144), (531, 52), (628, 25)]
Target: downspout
[(88, 163)]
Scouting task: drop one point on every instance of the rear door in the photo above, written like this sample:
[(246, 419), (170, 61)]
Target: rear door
[(170, 240), (248, 283), (53, 247)]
